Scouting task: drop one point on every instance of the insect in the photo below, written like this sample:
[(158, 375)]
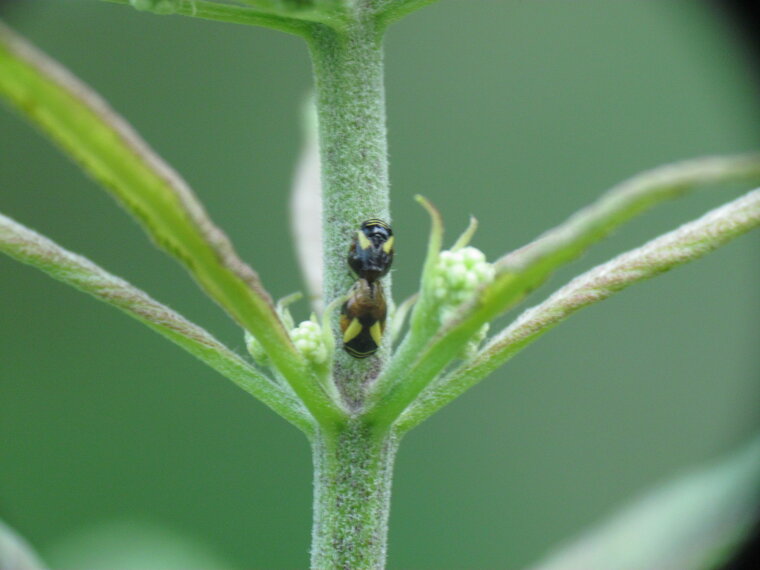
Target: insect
[(371, 252), (362, 318)]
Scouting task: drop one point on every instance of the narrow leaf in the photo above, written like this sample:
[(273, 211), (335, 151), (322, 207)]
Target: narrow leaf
[(688, 522), (399, 316), (424, 318), (689, 242), (112, 152), (626, 200), (15, 553), (390, 11), (31, 248), (522, 271), (466, 237), (221, 12), (306, 208)]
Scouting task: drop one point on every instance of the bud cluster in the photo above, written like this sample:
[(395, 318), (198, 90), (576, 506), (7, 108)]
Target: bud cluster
[(459, 274), (308, 340)]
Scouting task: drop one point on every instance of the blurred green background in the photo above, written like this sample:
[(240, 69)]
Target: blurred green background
[(516, 112)]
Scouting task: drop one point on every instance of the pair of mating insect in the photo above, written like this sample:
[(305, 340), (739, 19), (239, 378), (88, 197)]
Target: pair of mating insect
[(362, 316)]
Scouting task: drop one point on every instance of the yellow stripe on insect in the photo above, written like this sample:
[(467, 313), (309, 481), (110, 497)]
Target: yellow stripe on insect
[(388, 245), (376, 222), (357, 354), (352, 331), (364, 242), (376, 332)]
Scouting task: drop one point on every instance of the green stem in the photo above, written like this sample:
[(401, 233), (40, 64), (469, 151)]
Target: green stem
[(352, 489), (348, 69)]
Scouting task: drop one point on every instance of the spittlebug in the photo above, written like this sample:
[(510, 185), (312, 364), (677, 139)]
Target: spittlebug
[(362, 318), (371, 252)]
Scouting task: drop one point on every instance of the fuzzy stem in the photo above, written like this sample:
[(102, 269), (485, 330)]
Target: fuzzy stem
[(348, 69), (353, 466), (352, 489)]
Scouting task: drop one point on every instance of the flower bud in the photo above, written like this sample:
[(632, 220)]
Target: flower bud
[(308, 340), (459, 274)]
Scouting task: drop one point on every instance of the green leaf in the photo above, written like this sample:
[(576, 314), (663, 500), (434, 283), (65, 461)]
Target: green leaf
[(537, 260), (523, 270), (108, 149), (390, 11), (690, 241), (15, 553), (31, 248), (305, 201), (424, 319), (224, 12), (133, 544), (689, 522)]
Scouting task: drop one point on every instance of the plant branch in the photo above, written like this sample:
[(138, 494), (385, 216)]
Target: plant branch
[(625, 201), (520, 272), (690, 241), (31, 248), (389, 11), (220, 12), (113, 153)]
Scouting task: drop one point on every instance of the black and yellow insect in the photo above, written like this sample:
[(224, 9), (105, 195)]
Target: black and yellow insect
[(362, 318), (371, 252)]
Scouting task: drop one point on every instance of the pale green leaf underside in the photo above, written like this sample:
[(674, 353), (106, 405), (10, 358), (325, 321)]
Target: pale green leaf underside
[(29, 247), (690, 241), (689, 522), (109, 150), (15, 553)]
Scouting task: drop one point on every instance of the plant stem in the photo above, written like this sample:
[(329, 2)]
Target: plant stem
[(353, 466), (352, 489), (348, 69)]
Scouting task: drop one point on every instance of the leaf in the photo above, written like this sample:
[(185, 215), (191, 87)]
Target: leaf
[(226, 12), (306, 208), (15, 553), (31, 248), (133, 544), (690, 241), (686, 523), (390, 11), (108, 149), (416, 364), (537, 260), (424, 318)]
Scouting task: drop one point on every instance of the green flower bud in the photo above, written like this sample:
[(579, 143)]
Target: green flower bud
[(459, 274), (308, 340)]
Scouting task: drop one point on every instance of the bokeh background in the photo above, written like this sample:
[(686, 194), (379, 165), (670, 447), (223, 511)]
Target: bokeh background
[(517, 112)]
